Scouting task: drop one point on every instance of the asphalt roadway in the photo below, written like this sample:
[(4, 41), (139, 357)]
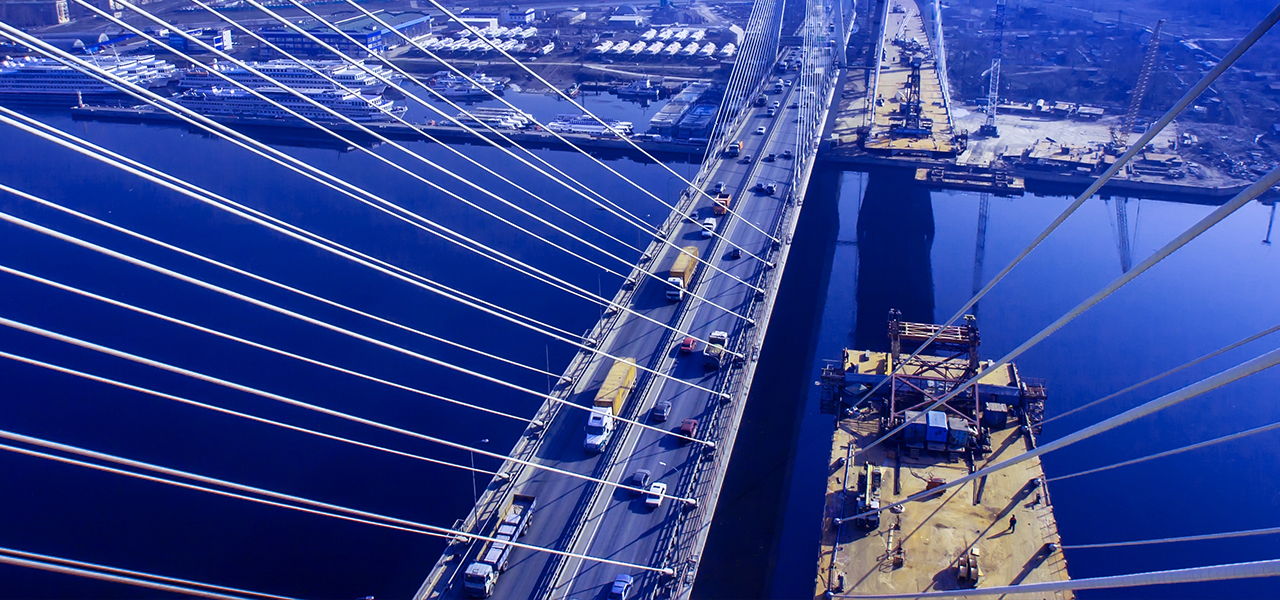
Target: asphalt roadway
[(615, 523)]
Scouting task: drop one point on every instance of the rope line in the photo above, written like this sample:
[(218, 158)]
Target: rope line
[(575, 289), (321, 508), (226, 411), (1188, 448), (1185, 538), (1156, 378), (312, 321), (7, 558), (252, 344), (300, 404)]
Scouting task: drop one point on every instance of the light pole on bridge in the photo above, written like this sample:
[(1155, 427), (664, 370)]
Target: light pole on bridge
[(475, 495)]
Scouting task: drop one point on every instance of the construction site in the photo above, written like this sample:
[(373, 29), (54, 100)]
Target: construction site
[(1021, 109), (997, 530)]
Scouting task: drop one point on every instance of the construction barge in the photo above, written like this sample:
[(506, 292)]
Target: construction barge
[(963, 537), (975, 180)]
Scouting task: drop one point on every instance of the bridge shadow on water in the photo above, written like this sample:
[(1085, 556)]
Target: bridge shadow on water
[(895, 231)]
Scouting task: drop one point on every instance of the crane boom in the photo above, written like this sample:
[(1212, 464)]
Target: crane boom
[(993, 86), (1120, 135)]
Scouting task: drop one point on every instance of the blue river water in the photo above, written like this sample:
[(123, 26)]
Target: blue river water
[(860, 253)]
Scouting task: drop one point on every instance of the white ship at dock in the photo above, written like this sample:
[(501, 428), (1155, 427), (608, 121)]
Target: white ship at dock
[(292, 74), (222, 102), (37, 78)]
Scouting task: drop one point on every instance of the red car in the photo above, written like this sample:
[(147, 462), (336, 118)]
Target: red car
[(689, 427), (689, 346)]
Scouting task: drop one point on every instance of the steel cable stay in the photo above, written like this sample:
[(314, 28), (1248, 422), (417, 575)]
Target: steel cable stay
[(557, 135), (325, 325), (320, 409), (578, 106), (1180, 450), (1171, 540), (57, 560), (383, 109), (629, 264), (522, 267), (1253, 191), (196, 120), (578, 188), (740, 69), (144, 264), (1186, 365), (226, 411), (405, 214), (1190, 96), (1255, 365), (1249, 570), (13, 557), (305, 236), (250, 343), (319, 508)]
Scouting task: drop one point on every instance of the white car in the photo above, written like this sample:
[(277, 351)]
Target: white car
[(657, 491), (759, 131), (708, 227)]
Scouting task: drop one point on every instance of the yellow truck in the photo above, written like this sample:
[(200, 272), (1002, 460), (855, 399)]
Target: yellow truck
[(610, 398), (682, 273)]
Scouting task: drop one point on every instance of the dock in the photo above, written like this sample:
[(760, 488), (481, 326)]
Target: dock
[(963, 537)]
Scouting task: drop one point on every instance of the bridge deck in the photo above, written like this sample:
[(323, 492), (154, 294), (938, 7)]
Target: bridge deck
[(893, 76), (595, 520)]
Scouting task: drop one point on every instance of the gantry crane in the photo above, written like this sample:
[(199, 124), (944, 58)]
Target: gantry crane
[(993, 86), (1120, 134)]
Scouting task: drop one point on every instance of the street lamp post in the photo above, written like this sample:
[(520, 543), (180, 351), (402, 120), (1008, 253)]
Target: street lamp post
[(475, 495)]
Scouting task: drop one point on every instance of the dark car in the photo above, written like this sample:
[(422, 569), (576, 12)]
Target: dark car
[(661, 410), (689, 345), (640, 479), (746, 159), (621, 585), (689, 427), (786, 154), (770, 158)]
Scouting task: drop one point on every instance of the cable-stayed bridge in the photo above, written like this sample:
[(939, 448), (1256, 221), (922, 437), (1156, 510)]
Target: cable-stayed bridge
[(591, 522)]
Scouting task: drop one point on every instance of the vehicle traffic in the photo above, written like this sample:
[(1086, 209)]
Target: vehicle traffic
[(682, 273), (708, 227), (610, 398), (657, 492), (482, 574), (713, 353)]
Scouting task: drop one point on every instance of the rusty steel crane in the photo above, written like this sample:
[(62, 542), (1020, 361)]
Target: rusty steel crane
[(1120, 133)]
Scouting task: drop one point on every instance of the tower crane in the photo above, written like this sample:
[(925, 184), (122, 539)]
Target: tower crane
[(980, 245), (993, 87), (1120, 134)]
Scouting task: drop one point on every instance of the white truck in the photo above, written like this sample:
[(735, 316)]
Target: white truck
[(714, 352), (599, 429), (482, 574)]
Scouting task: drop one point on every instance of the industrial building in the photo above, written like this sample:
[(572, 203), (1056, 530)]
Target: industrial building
[(369, 32), (506, 16), (34, 13)]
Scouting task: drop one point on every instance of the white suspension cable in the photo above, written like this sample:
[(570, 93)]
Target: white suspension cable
[(300, 404), (409, 94), (1230, 58), (218, 409), (251, 275), (575, 104), (316, 322), (1188, 448), (408, 215), (1185, 538), (557, 135), (1231, 375), (1181, 367), (250, 214), (525, 268), (9, 559), (325, 508), (94, 566), (1265, 568), (252, 344), (1220, 213), (579, 345)]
